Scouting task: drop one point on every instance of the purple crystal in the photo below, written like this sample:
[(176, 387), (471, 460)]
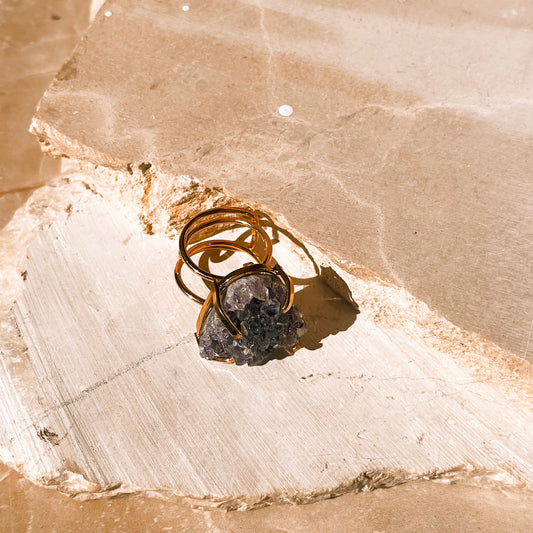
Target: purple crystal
[(254, 305)]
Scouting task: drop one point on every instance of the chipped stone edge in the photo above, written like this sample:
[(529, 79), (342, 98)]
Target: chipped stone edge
[(79, 488), (165, 201)]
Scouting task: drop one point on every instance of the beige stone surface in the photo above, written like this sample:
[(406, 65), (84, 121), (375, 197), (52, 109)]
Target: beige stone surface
[(424, 507), (119, 399), (409, 148), (24, 404), (35, 39)]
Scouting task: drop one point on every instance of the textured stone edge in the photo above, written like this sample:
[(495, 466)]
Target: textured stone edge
[(76, 486)]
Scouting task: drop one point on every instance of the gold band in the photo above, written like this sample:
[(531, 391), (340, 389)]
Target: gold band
[(205, 247), (222, 216)]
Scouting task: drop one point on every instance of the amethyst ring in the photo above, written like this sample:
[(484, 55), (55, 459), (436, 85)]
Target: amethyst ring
[(249, 314)]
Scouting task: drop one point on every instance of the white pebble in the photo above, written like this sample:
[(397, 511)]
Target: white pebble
[(285, 110), (108, 13), (185, 7)]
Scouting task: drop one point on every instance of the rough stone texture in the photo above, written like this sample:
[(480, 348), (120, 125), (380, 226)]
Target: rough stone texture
[(254, 304), (360, 406), (409, 149), (35, 39), (424, 507)]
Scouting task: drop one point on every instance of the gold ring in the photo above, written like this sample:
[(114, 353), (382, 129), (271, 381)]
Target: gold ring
[(249, 313)]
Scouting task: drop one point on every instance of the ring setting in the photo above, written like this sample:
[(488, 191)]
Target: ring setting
[(249, 313)]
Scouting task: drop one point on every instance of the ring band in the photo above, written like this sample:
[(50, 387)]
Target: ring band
[(219, 216), (205, 247), (249, 312)]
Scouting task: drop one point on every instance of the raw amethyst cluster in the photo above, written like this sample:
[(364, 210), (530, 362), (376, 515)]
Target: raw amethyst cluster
[(254, 305)]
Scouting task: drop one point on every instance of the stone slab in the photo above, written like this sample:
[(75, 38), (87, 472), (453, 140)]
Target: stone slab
[(409, 148), (125, 401), (37, 43)]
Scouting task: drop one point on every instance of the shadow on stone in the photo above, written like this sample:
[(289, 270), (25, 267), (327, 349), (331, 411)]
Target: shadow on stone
[(326, 312), (325, 300)]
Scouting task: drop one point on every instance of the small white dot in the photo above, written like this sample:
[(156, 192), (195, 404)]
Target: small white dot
[(285, 110), (185, 7), (108, 13)]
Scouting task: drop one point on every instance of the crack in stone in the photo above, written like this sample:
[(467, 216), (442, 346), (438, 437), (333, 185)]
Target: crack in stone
[(268, 45), (105, 381), (118, 373)]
